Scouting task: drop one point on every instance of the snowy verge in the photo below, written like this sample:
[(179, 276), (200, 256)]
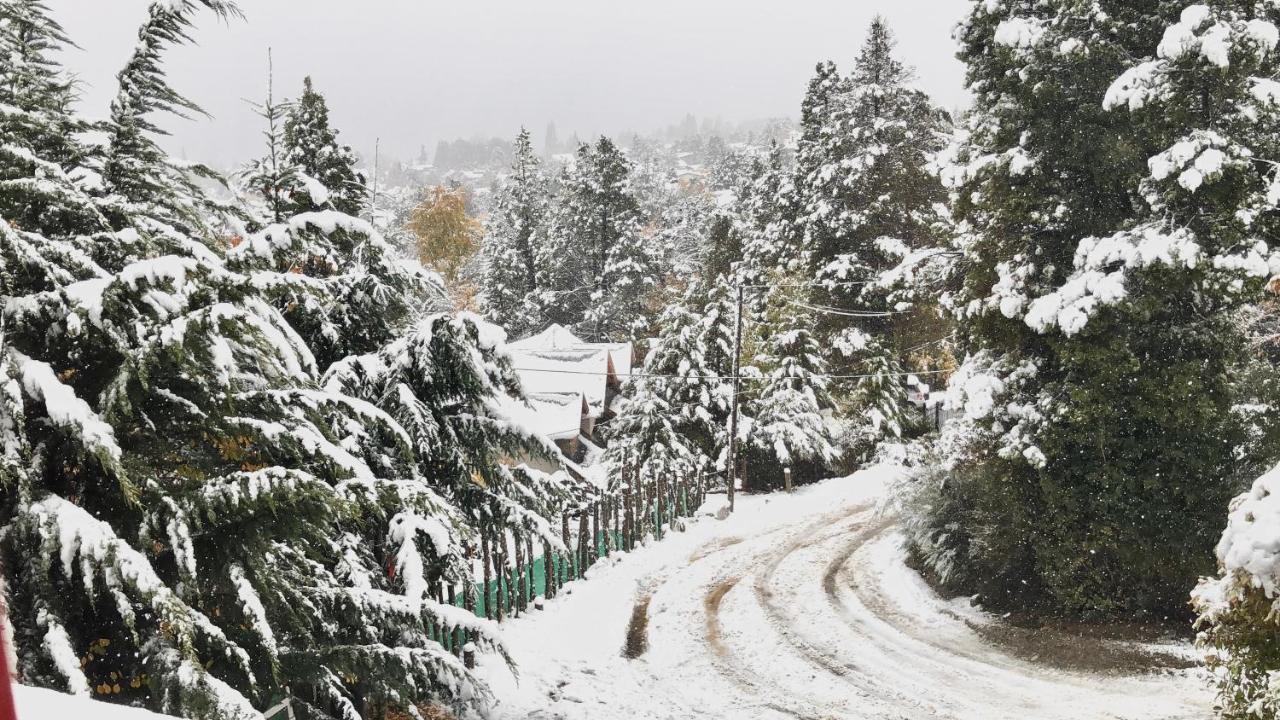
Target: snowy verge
[(41, 704)]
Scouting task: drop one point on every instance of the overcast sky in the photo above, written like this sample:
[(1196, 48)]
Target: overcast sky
[(413, 72)]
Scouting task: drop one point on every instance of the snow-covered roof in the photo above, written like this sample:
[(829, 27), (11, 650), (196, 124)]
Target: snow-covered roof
[(557, 361), (556, 416), (556, 337), (584, 371)]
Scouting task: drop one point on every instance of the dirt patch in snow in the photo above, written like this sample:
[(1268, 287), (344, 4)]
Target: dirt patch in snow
[(638, 629), (713, 547), (1076, 646), (711, 603)]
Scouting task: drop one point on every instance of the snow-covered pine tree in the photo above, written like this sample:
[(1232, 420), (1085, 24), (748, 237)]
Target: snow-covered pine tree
[(340, 284), (326, 168), (118, 426), (868, 196), (513, 231), (788, 428), (595, 270), (141, 181), (651, 433), (444, 381), (48, 210), (1097, 299), (765, 216), (152, 411), (272, 180), (689, 360)]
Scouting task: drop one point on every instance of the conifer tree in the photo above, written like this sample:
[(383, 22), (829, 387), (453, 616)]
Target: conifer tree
[(194, 522), (765, 211), (139, 179), (867, 197), (44, 193), (272, 180), (513, 231), (788, 429), (326, 168), (1098, 435), (595, 271), (340, 284)]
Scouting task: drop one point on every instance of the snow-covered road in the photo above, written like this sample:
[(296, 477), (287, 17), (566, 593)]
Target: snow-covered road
[(801, 606)]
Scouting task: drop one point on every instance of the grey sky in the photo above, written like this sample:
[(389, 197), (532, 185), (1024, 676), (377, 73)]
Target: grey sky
[(416, 71)]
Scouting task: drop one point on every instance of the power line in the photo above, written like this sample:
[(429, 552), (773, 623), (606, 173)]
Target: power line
[(838, 283), (846, 313), (723, 377)]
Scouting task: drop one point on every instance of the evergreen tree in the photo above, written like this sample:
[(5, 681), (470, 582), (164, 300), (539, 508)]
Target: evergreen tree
[(1098, 441), (596, 271), (339, 283), (868, 197), (788, 428), (139, 180), (513, 231), (43, 193), (195, 522), (326, 168), (766, 210), (651, 432), (272, 180)]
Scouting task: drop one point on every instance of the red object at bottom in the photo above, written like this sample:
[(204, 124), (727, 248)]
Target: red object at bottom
[(7, 709)]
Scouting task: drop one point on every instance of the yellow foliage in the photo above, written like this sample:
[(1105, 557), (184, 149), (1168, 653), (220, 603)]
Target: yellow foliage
[(446, 237)]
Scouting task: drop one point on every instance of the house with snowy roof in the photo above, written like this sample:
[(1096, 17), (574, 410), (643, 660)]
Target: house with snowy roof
[(572, 387)]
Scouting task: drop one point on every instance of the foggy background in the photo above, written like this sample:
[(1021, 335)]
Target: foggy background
[(414, 72)]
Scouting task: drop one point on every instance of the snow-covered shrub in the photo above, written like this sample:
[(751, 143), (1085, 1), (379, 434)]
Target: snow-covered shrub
[(1239, 610)]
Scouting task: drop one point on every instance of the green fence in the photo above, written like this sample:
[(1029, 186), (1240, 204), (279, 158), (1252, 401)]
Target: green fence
[(566, 568)]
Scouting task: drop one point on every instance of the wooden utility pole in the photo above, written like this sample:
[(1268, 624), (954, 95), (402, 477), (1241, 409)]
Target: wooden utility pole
[(732, 469)]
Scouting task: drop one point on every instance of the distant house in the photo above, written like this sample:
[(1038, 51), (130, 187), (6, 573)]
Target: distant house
[(572, 386)]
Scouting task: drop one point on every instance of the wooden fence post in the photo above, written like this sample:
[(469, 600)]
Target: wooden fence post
[(617, 524), (595, 532), (445, 633), (786, 479), (549, 571), (568, 548), (657, 508), (528, 553), (484, 551), (502, 573), (584, 530), (519, 574), (455, 639)]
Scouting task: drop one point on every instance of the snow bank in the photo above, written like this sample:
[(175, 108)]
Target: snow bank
[(40, 704)]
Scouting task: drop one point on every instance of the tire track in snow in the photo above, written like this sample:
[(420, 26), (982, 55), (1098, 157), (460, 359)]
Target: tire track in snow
[(966, 676), (804, 609)]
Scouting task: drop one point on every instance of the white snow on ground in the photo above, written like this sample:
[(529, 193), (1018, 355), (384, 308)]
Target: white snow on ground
[(40, 704), (797, 606)]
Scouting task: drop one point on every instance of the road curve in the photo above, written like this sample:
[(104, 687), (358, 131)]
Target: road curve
[(817, 616)]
